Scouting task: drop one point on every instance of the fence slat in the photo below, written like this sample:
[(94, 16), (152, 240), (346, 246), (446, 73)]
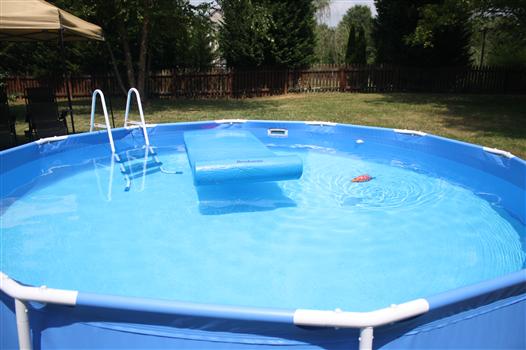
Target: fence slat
[(223, 82)]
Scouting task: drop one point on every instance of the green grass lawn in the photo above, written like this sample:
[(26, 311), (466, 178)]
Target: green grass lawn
[(490, 120)]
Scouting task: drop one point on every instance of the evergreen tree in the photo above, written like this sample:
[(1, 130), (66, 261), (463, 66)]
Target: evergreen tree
[(268, 33), (292, 33), (360, 53), (360, 16), (243, 36), (351, 45)]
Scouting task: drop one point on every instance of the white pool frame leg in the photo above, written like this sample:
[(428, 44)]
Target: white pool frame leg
[(366, 338), (22, 325)]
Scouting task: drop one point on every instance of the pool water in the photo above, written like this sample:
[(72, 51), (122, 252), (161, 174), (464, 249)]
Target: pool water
[(320, 242)]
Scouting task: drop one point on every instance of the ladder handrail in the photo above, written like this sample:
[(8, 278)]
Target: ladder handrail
[(141, 113), (105, 111)]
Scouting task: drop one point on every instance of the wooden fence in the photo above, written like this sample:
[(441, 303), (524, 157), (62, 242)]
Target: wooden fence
[(220, 82)]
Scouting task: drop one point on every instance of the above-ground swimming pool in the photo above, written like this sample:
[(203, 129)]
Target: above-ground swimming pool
[(160, 262)]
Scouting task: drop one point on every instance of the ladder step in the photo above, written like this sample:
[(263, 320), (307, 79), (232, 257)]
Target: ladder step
[(135, 123), (138, 168), (139, 175)]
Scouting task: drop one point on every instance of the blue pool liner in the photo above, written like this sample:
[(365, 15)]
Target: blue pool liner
[(220, 156), (486, 315)]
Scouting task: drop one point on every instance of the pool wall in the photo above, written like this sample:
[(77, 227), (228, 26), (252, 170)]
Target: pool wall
[(490, 314)]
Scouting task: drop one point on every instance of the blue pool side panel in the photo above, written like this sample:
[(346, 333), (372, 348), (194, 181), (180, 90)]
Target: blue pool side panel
[(492, 319), (220, 156)]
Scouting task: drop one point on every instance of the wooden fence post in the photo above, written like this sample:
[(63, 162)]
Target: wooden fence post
[(286, 85), (230, 92), (343, 79)]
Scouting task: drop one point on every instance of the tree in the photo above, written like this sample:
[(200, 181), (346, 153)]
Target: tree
[(398, 38), (292, 37), (243, 35), (135, 30), (497, 25), (328, 48), (514, 10), (356, 46), (360, 55), (190, 41), (351, 45), (268, 33), (134, 22), (322, 8), (498, 41), (360, 16), (332, 43)]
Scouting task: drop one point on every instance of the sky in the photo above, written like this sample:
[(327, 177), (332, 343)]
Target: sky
[(337, 9)]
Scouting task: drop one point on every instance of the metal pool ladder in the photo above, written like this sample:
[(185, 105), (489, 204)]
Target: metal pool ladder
[(129, 170), (127, 121)]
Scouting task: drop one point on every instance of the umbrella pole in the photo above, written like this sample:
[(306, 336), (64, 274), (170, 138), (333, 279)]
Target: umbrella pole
[(67, 79)]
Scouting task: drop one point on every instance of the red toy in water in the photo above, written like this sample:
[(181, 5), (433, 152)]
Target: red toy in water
[(362, 178)]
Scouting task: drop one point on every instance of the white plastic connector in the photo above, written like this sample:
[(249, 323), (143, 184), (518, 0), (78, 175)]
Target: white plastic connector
[(51, 139), (375, 318), (132, 125), (99, 125), (38, 294), (320, 123), (410, 132), (498, 152), (230, 121)]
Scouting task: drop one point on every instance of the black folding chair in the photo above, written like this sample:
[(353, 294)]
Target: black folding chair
[(43, 115), (7, 121)]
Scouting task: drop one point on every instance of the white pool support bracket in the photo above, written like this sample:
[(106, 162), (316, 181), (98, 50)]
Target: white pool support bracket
[(141, 123), (410, 132), (320, 123), (498, 152), (21, 294), (365, 321), (230, 121), (51, 139), (107, 124)]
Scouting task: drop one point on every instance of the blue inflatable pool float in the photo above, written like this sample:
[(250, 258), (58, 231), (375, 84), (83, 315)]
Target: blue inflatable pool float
[(236, 156)]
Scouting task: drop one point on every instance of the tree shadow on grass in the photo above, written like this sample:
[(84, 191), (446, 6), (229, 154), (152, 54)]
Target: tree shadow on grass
[(492, 115), (210, 105), (182, 108)]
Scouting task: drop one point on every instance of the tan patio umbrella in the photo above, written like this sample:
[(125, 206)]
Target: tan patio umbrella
[(37, 20)]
